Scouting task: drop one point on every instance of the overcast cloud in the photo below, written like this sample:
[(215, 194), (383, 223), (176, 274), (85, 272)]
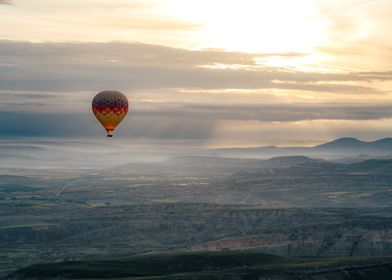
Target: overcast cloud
[(93, 66), (175, 94)]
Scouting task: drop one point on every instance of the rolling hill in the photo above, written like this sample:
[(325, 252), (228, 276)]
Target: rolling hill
[(337, 149)]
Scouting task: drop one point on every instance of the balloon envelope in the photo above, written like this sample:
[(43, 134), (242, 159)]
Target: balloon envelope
[(110, 108)]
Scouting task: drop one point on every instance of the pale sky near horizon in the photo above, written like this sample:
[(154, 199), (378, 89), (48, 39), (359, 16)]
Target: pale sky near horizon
[(207, 73)]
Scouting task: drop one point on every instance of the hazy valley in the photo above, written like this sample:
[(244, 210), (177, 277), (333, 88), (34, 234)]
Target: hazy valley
[(289, 206)]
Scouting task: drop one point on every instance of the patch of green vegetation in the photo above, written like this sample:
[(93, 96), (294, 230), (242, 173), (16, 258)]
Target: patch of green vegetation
[(15, 187), (152, 266), (149, 265)]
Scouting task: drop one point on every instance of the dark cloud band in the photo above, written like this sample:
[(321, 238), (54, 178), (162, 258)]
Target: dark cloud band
[(93, 66), (6, 2)]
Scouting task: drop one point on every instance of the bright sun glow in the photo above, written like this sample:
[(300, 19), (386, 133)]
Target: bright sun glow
[(320, 29), (254, 26)]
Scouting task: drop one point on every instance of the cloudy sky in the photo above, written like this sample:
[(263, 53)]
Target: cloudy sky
[(198, 73)]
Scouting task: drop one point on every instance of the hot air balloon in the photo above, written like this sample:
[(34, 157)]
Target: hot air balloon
[(110, 108)]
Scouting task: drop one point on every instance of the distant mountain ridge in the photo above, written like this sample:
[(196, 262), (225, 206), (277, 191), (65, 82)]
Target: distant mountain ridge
[(336, 149), (350, 143)]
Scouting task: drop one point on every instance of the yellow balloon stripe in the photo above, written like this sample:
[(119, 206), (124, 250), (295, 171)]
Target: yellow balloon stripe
[(111, 120)]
